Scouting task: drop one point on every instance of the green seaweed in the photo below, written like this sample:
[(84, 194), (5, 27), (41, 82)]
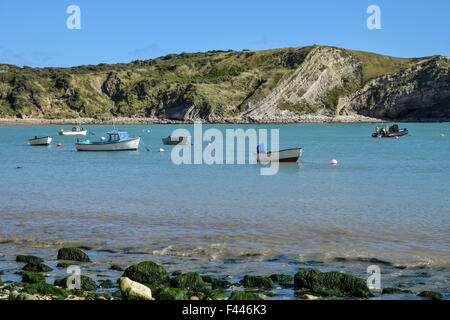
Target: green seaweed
[(148, 273), (331, 283)]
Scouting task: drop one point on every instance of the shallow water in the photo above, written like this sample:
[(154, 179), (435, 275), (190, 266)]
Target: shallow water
[(387, 199)]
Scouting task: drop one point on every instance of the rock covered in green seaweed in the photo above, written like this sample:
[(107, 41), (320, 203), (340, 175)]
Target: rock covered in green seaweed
[(257, 282), (242, 295), (40, 267), (191, 282), (283, 279), (169, 293), (331, 283), (106, 284), (148, 273), (431, 294), (73, 254), (116, 267), (87, 284), (31, 277), (216, 283), (46, 289), (217, 294), (29, 259), (62, 265)]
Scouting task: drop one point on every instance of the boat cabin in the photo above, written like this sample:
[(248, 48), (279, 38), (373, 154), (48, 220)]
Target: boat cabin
[(115, 136)]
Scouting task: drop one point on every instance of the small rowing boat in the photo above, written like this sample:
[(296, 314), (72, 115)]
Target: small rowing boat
[(286, 155), (177, 140), (43, 141)]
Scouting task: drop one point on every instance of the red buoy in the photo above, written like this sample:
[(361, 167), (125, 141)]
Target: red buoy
[(442, 135), (59, 144), (396, 137), (334, 162), (208, 144)]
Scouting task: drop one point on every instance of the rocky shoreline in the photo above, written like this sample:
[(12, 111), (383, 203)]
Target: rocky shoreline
[(148, 280), (147, 121)]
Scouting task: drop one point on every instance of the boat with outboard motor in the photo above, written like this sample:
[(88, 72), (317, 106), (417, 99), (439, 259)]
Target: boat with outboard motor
[(118, 141), (391, 132)]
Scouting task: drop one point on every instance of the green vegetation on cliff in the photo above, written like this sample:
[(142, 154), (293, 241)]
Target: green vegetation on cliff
[(208, 85)]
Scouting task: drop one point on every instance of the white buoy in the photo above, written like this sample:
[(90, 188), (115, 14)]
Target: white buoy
[(103, 138), (161, 150), (334, 162), (148, 131)]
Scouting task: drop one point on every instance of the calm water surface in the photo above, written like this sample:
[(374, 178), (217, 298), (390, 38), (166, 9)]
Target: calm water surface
[(386, 202)]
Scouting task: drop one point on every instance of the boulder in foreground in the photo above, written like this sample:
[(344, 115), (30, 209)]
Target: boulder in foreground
[(331, 283), (168, 293), (132, 290), (148, 273), (29, 259), (87, 284), (73, 254)]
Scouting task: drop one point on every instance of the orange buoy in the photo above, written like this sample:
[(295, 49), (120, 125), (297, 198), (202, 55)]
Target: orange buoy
[(396, 137), (334, 162), (59, 144), (19, 167), (442, 135)]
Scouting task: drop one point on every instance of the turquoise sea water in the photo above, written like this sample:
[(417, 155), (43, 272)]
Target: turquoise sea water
[(386, 203)]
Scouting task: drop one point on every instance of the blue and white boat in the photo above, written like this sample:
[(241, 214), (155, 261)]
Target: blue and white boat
[(118, 141)]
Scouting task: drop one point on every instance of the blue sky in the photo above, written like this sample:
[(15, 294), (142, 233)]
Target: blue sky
[(34, 33)]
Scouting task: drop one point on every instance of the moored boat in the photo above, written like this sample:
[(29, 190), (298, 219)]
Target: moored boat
[(286, 155), (118, 141), (391, 132), (76, 131), (177, 140), (42, 141)]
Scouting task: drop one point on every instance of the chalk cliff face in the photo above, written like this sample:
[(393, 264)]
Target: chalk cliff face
[(418, 92), (279, 85)]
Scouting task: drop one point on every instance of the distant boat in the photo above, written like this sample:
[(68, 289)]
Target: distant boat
[(76, 131), (118, 141), (176, 140), (43, 141), (393, 132), (286, 155)]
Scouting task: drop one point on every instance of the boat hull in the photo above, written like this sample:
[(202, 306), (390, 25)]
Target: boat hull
[(73, 133), (288, 155), (402, 132), (44, 141), (176, 140), (127, 145)]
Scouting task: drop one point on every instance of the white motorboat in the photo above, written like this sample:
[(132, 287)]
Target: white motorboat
[(177, 140), (43, 141), (76, 131), (286, 155), (118, 141)]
